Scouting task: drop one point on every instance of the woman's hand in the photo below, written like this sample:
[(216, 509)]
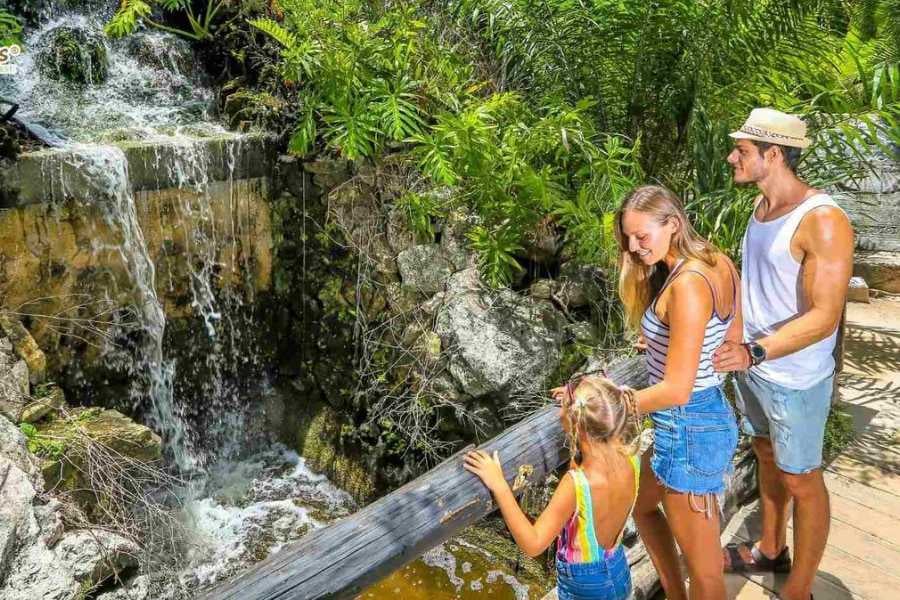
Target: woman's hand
[(487, 468), (640, 344)]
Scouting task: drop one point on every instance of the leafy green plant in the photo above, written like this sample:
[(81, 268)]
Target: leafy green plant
[(496, 249), (838, 431), (421, 210), (131, 13), (10, 29), (42, 445)]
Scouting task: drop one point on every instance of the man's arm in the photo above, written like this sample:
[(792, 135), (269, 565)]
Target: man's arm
[(826, 239)]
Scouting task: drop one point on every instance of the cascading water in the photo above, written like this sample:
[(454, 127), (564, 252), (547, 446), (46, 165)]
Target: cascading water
[(149, 87), (107, 169)]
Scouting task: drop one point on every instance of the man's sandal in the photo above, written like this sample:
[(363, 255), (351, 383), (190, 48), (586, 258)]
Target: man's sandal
[(759, 562)]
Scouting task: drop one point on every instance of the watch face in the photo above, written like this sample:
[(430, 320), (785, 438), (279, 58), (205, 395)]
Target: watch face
[(757, 351)]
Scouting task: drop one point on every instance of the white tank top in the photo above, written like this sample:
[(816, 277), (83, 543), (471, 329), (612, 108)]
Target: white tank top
[(770, 284)]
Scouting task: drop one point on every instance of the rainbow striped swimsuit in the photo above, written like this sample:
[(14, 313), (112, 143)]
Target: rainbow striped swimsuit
[(578, 541)]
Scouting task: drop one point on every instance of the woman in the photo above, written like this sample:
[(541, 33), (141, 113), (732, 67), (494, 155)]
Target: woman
[(681, 293)]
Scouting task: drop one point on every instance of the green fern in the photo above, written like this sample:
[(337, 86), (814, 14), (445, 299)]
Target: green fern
[(274, 30), (126, 19), (496, 248)]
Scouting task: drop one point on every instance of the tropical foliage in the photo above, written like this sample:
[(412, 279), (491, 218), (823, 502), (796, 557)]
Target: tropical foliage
[(10, 29), (131, 13)]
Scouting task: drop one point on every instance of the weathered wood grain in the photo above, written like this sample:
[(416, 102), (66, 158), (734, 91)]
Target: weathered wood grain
[(342, 559)]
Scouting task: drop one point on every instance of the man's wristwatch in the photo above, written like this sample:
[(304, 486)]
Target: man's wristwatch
[(757, 353)]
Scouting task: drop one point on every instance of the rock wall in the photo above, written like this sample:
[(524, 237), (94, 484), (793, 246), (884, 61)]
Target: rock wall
[(42, 555)]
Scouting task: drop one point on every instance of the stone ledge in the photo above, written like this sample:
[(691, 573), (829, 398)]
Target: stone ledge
[(881, 270), (58, 174)]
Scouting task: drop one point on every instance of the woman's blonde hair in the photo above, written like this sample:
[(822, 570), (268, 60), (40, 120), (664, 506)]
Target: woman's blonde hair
[(602, 411), (639, 283)]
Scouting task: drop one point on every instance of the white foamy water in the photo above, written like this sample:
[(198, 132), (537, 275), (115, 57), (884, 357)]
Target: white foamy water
[(150, 89), (250, 509)]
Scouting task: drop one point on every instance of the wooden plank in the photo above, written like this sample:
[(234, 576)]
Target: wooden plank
[(866, 474), (872, 498), (866, 522), (341, 560), (842, 573), (866, 547)]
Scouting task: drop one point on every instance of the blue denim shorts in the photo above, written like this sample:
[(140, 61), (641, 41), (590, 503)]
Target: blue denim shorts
[(693, 444), (606, 579), (793, 419)]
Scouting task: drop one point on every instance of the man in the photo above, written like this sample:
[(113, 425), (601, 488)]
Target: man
[(796, 265)]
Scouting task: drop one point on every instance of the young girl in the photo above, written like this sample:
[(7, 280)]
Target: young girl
[(593, 500)]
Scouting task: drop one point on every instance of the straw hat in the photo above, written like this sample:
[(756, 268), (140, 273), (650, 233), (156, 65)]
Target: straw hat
[(775, 127)]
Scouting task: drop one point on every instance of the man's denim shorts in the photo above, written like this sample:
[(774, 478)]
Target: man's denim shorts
[(606, 579), (793, 419), (693, 444)]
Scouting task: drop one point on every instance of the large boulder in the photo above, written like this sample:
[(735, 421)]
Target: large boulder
[(38, 559), (65, 468), (499, 343)]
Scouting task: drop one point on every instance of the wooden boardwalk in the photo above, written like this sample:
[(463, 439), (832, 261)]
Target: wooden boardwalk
[(862, 559)]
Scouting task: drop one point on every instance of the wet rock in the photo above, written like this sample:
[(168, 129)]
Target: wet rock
[(25, 347), (328, 173), (14, 386), (94, 556), (494, 337), (74, 55), (16, 495), (65, 466), (13, 447), (425, 268), (54, 400)]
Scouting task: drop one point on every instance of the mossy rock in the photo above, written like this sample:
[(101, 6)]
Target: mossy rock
[(62, 445), (316, 441), (74, 55)]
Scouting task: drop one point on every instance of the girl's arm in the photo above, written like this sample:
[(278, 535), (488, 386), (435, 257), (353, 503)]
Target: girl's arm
[(688, 309), (531, 538)]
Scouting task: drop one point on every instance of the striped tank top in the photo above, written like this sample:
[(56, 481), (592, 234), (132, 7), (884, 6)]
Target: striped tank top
[(656, 336), (578, 541)]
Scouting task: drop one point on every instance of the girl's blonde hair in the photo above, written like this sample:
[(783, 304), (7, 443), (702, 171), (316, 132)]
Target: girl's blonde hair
[(603, 412), (639, 283)]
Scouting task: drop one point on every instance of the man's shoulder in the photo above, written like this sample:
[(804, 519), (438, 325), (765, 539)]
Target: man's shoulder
[(824, 222)]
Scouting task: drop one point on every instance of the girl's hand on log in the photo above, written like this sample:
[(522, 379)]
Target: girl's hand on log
[(487, 467), (559, 393)]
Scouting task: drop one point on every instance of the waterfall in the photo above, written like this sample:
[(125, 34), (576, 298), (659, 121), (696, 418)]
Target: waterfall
[(107, 169)]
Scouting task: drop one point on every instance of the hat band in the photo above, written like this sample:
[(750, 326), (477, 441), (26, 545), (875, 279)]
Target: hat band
[(766, 133)]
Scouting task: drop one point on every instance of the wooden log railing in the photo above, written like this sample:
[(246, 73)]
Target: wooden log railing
[(342, 559)]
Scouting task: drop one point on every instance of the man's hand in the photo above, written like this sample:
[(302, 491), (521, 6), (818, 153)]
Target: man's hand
[(731, 356)]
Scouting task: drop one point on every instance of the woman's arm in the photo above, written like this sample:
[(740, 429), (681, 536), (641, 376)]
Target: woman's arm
[(531, 538), (688, 310)]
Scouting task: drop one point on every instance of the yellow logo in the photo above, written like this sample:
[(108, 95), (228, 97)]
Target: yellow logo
[(7, 53)]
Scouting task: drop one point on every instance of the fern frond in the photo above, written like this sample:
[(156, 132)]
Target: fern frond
[(275, 31)]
